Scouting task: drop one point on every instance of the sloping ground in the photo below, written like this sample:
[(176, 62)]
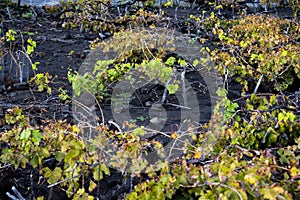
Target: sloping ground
[(54, 45), (58, 50)]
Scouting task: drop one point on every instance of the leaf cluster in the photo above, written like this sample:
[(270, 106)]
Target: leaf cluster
[(100, 16), (257, 46), (140, 51), (36, 146)]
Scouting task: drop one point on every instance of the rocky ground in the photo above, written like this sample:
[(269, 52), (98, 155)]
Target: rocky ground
[(59, 50)]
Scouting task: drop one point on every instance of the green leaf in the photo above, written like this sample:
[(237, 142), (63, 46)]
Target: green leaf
[(243, 44), (172, 88), (59, 156), (272, 139), (72, 154), (36, 136), (182, 62), (31, 46), (170, 61), (97, 174), (139, 131), (281, 117), (34, 161), (196, 62), (33, 66), (271, 193), (52, 176), (284, 53), (250, 178), (27, 15), (25, 134), (253, 56), (56, 175), (102, 64), (10, 35), (105, 169), (291, 116)]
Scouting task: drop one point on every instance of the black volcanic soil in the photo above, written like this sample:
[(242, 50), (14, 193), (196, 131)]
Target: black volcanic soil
[(59, 50)]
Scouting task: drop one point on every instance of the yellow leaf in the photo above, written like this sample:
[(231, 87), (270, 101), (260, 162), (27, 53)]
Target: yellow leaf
[(251, 179), (197, 154), (173, 135), (272, 193), (267, 194), (80, 191), (92, 186), (278, 190), (152, 26), (295, 172), (75, 129), (90, 197)]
